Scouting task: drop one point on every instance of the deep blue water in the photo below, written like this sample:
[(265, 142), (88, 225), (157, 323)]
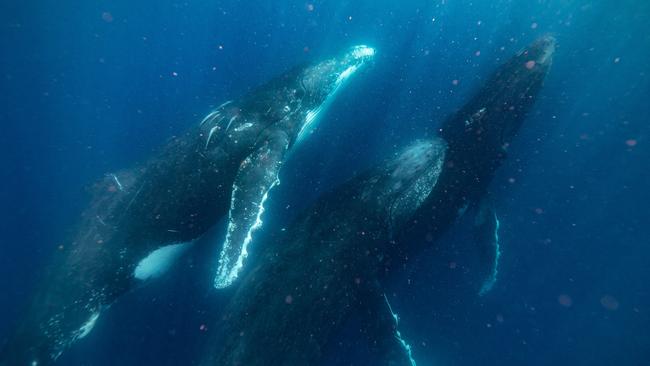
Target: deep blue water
[(92, 87)]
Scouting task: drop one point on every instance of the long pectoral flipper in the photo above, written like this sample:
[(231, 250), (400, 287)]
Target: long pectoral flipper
[(257, 175), (386, 342), (486, 231)]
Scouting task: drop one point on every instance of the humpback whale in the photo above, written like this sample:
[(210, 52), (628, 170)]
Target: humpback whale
[(139, 220), (328, 265)]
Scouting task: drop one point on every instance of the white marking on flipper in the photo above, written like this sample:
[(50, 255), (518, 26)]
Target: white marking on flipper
[(87, 327), (67, 338), (462, 210), (398, 335), (257, 176), (492, 279), (227, 274), (159, 261)]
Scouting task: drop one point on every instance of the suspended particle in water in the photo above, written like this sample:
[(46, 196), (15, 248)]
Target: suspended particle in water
[(565, 300), (107, 17), (609, 302), (631, 142), (288, 299)]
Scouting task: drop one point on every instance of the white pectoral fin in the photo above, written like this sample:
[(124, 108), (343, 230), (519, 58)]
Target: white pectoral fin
[(257, 175), (380, 324), (486, 231), (406, 354)]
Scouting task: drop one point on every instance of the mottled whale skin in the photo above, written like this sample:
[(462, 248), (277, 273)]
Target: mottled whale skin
[(140, 219), (329, 264)]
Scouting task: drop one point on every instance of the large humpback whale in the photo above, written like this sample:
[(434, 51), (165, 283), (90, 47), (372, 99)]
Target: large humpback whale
[(328, 265), (142, 218)]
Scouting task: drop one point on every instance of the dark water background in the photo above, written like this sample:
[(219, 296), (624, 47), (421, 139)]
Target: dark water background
[(89, 87)]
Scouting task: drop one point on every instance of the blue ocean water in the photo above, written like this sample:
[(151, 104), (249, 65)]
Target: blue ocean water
[(92, 87)]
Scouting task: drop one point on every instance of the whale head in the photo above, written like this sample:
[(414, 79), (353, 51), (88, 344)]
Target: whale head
[(323, 78), (296, 98), (320, 82), (482, 130)]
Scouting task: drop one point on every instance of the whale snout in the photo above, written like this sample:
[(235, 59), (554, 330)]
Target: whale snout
[(363, 52), (540, 53), (546, 46), (356, 56)]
